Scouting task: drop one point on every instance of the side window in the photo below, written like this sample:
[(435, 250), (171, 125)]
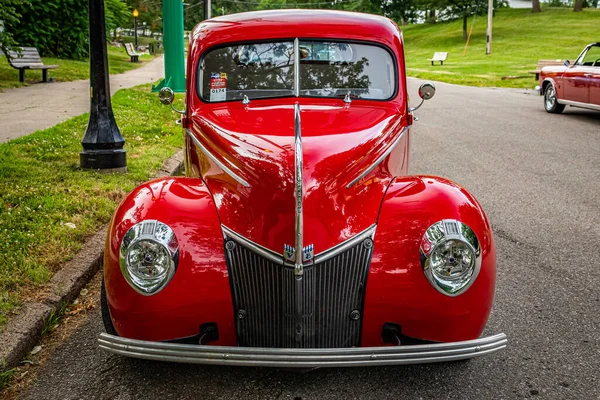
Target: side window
[(592, 57)]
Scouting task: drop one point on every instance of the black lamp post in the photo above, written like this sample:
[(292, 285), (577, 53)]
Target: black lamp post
[(102, 142), (136, 14)]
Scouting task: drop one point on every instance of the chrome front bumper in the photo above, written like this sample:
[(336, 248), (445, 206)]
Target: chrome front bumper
[(302, 358)]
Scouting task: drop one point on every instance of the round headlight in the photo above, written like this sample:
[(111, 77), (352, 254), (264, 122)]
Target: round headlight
[(149, 255), (450, 256)]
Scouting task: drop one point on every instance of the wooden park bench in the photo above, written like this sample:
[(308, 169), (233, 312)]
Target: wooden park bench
[(28, 59), (131, 52), (545, 63), (439, 56)]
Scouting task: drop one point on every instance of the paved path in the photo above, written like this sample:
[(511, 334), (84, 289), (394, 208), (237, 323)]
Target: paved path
[(40, 106), (537, 177)]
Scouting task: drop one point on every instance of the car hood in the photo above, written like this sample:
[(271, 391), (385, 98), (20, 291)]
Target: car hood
[(554, 69), (256, 143)]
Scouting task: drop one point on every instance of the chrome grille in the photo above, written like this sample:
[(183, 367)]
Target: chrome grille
[(321, 310)]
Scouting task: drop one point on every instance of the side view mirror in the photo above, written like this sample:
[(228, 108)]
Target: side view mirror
[(166, 97), (426, 92), (567, 63)]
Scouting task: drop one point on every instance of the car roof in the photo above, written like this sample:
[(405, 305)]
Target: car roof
[(274, 24)]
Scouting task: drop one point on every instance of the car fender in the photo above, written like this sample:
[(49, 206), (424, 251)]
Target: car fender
[(551, 81), (398, 291), (199, 291)]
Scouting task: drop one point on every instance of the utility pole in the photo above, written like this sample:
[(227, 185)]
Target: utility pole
[(102, 142), (488, 45), (207, 9)]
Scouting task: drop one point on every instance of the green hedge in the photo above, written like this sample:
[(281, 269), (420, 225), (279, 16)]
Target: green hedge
[(57, 28)]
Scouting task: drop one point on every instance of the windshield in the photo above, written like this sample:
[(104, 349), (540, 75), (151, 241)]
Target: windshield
[(327, 69), (590, 57)]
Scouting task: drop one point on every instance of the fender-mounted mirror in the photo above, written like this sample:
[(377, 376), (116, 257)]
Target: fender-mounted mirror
[(567, 63)]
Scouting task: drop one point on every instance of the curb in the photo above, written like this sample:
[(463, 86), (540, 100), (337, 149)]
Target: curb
[(24, 331)]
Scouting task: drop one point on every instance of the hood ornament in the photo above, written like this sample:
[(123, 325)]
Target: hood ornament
[(298, 254)]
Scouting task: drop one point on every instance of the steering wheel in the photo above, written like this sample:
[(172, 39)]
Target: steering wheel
[(596, 63)]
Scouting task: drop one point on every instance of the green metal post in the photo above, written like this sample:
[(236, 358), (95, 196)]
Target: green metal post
[(173, 43)]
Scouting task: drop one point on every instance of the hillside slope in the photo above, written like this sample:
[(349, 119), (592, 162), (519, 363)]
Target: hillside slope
[(520, 39)]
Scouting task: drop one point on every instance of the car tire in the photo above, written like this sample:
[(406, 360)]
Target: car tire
[(550, 102), (108, 325)]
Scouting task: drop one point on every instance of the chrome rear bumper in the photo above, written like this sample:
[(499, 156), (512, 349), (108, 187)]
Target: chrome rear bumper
[(302, 358)]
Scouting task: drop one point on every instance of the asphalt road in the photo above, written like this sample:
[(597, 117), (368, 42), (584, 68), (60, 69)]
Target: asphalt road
[(538, 177)]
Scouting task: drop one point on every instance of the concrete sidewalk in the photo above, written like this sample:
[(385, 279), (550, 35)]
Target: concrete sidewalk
[(40, 106)]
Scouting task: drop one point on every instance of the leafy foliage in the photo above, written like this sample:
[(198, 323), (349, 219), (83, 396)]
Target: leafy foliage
[(9, 15), (56, 27), (150, 12), (117, 15)]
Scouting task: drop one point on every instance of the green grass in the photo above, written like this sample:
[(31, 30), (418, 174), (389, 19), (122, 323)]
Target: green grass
[(6, 376), (43, 192), (520, 39), (68, 70), (54, 318)]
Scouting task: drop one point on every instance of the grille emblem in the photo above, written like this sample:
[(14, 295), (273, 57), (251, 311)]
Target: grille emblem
[(308, 253), (289, 252)]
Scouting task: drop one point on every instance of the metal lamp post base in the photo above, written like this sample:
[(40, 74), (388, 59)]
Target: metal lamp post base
[(107, 161)]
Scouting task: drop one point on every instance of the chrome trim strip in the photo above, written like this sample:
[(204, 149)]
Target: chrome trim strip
[(379, 160), (279, 258), (302, 358), (215, 160), (297, 67), (298, 268), (257, 248), (578, 104), (340, 248)]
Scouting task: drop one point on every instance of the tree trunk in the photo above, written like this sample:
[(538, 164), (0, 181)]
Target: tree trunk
[(535, 6), (465, 27), (578, 5), (432, 15)]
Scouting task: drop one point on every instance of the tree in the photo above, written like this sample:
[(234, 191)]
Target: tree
[(55, 27), (535, 6), (461, 9), (117, 15), (150, 12), (578, 5), (8, 16), (403, 11)]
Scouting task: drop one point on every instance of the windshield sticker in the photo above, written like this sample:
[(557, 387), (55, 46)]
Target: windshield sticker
[(218, 86)]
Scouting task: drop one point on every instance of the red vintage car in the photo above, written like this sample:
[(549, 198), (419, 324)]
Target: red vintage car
[(576, 85), (297, 237)]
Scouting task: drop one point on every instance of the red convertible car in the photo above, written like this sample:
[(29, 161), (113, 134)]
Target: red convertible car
[(297, 237), (576, 85)]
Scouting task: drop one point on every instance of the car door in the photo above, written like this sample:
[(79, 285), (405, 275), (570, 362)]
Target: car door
[(595, 87), (592, 57), (578, 78)]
